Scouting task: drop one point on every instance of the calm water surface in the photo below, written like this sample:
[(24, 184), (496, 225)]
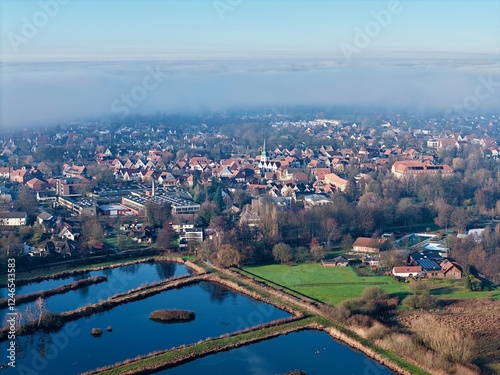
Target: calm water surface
[(120, 279), (314, 352), (72, 350)]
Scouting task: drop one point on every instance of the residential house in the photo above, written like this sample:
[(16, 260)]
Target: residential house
[(368, 245), (199, 163), (312, 200), (44, 218), (451, 270), (339, 261), (191, 235), (21, 176), (338, 182), (69, 233), (407, 271), (13, 218), (73, 170), (36, 184), (5, 172)]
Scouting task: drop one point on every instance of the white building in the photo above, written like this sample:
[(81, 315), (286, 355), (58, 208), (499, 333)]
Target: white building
[(13, 218)]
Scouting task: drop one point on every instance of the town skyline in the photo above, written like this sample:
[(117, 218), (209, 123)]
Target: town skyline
[(74, 61)]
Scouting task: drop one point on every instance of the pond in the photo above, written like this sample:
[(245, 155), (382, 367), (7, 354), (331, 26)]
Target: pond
[(314, 352), (120, 279), (72, 350)]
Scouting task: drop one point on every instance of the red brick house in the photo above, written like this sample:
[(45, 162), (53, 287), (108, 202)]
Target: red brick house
[(36, 184), (450, 270)]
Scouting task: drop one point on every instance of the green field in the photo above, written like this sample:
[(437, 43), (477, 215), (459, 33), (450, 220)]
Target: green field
[(111, 241), (456, 289), (327, 284), (335, 284)]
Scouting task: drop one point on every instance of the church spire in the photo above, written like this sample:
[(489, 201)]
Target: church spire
[(263, 155)]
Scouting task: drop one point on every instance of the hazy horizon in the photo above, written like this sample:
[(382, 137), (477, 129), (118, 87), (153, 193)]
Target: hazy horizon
[(67, 60)]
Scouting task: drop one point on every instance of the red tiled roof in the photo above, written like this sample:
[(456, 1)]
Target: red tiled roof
[(405, 269)]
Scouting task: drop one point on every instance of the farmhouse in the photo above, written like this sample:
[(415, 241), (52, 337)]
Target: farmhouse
[(339, 261), (407, 271), (450, 270), (368, 245)]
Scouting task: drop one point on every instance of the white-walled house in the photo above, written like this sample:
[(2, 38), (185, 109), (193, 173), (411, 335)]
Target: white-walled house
[(13, 218), (406, 271)]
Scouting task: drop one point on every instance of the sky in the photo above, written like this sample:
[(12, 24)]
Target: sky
[(63, 60)]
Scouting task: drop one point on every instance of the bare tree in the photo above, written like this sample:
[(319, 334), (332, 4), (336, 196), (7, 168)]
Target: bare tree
[(332, 230), (228, 256), (41, 310), (445, 212), (29, 313)]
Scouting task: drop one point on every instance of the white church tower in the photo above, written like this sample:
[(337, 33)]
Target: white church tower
[(263, 155)]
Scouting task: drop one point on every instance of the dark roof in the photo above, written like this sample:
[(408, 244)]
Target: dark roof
[(12, 215), (426, 262), (340, 259)]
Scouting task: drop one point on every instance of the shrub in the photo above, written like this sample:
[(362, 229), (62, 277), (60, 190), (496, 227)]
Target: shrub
[(421, 301), (358, 306), (301, 254), (374, 293), (452, 344), (473, 284), (341, 313), (402, 344), (418, 287), (359, 320), (377, 332), (171, 316)]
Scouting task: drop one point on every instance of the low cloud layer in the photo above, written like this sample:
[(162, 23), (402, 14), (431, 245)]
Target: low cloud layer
[(46, 94)]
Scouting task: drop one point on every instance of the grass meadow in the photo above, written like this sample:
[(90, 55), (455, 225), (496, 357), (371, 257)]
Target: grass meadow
[(334, 284)]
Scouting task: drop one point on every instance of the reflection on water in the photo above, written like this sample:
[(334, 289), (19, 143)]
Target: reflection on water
[(120, 279), (314, 352), (84, 292), (217, 292), (165, 269), (107, 271), (134, 333), (82, 276), (131, 268)]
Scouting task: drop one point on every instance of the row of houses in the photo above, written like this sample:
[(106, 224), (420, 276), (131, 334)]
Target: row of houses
[(445, 270)]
